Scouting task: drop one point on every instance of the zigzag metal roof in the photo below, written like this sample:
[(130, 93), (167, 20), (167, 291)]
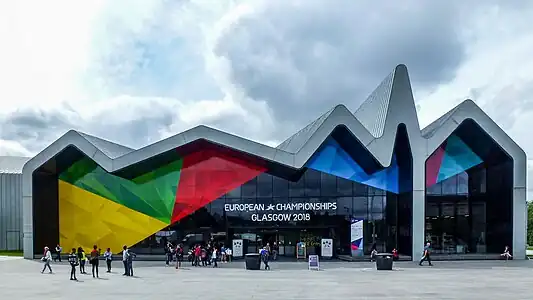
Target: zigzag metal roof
[(374, 124)]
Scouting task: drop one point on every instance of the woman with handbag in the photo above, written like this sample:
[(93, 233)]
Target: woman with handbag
[(46, 259)]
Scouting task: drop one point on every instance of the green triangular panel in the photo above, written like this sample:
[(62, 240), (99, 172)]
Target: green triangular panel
[(153, 193)]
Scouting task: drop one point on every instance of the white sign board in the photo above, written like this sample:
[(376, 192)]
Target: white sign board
[(356, 237), (327, 248), (313, 262), (237, 248)]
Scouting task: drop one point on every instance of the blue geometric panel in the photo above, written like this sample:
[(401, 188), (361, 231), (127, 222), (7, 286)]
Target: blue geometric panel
[(458, 157), (332, 159)]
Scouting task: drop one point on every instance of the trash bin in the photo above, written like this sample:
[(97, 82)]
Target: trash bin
[(384, 261), (252, 261)]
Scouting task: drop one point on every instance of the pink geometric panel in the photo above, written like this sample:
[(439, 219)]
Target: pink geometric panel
[(433, 166)]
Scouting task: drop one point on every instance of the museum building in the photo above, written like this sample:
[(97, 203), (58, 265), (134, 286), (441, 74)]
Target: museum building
[(354, 180)]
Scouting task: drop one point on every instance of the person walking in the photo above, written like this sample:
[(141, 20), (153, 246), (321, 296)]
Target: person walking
[(46, 259), (108, 255), (73, 261), (506, 253), (264, 257), (125, 255), (426, 255), (58, 253), (95, 261)]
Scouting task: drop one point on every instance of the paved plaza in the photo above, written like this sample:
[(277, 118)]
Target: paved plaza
[(21, 279)]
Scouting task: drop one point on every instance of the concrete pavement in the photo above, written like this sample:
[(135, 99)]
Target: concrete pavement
[(21, 279)]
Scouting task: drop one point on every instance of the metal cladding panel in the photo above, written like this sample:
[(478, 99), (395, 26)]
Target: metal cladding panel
[(10, 211)]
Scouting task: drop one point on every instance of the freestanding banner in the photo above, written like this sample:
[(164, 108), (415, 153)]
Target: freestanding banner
[(326, 248), (356, 237), (301, 250), (313, 262), (237, 248)]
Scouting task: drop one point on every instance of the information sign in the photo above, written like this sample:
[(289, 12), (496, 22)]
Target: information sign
[(326, 247), (313, 262), (237, 248), (300, 250)]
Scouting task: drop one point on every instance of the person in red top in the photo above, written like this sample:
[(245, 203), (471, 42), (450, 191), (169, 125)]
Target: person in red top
[(395, 255), (95, 254), (197, 253)]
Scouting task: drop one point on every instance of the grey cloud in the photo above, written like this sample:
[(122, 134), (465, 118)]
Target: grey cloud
[(137, 125), (307, 58)]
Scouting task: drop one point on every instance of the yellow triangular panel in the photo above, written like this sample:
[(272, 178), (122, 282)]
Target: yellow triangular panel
[(86, 219)]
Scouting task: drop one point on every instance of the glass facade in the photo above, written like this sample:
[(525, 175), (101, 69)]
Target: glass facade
[(341, 182), (206, 192), (469, 199), (327, 204)]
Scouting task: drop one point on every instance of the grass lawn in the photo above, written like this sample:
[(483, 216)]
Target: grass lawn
[(10, 253)]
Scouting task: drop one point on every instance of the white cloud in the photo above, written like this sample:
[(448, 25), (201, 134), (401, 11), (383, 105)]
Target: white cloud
[(124, 69)]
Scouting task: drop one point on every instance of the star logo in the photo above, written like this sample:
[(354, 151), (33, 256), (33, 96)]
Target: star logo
[(270, 207)]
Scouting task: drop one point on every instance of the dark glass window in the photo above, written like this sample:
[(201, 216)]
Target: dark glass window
[(249, 189), (281, 187), (435, 189), (344, 187), (328, 184), (217, 208), (359, 189), (462, 184), (264, 185), (312, 183), (344, 206), (360, 207), (297, 189), (235, 193), (449, 186)]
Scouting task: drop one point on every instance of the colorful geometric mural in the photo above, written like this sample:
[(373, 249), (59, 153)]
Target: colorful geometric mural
[(332, 159), (207, 175), (87, 219), (94, 204), (451, 158)]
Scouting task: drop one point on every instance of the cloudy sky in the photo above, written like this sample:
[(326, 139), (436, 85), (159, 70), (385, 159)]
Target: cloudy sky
[(138, 71)]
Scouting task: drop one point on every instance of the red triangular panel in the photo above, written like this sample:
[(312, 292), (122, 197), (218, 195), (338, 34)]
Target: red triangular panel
[(433, 164), (208, 174)]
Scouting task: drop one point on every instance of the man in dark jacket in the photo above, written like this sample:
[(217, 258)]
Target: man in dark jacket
[(426, 255), (73, 261)]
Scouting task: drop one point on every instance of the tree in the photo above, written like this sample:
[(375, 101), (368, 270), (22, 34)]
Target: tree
[(530, 223)]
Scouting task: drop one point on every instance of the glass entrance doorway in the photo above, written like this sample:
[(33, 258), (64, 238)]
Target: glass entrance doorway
[(283, 240)]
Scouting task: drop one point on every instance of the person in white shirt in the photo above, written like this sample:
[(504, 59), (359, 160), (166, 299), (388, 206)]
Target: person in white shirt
[(506, 253), (108, 255), (125, 256), (229, 253), (214, 258), (46, 259), (59, 249)]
